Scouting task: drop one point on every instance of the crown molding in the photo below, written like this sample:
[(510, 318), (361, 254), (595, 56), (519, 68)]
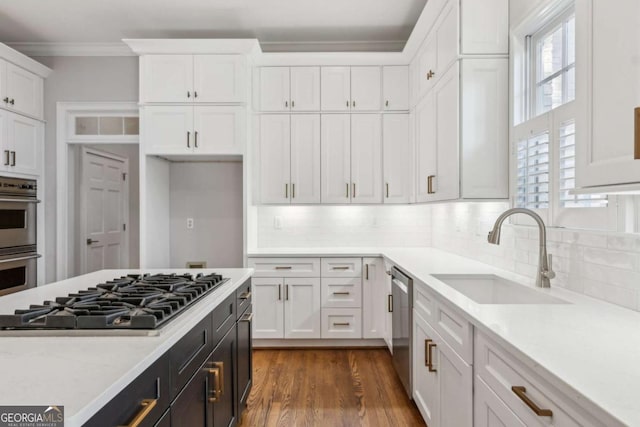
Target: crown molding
[(192, 46), (334, 46), (72, 49)]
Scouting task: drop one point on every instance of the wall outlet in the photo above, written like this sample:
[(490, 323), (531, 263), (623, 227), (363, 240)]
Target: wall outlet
[(277, 222), (190, 223)]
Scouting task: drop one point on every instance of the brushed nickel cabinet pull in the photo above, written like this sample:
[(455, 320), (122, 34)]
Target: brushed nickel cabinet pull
[(366, 271), (430, 184), (430, 347), (387, 185), (636, 123), (293, 190), (279, 292), (146, 406), (188, 139), (521, 392), (13, 158), (285, 267), (341, 267), (390, 303), (195, 139), (426, 352), (286, 191), (245, 295), (6, 157), (354, 191), (341, 293), (247, 317), (347, 193), (341, 323), (286, 292)]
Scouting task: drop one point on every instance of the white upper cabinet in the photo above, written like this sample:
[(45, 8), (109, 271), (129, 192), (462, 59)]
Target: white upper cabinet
[(305, 89), (425, 147), (395, 88), (396, 158), (23, 91), (168, 129), (21, 148), (608, 91), (366, 158), (305, 158), (275, 160), (274, 89), (335, 88), (192, 78), (365, 88), (484, 27), (218, 129), (335, 163)]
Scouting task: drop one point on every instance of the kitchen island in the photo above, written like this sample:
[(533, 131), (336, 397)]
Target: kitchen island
[(84, 373)]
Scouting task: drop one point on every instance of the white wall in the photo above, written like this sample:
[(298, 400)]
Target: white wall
[(78, 79)]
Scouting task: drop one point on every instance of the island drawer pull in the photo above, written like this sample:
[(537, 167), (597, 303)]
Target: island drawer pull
[(245, 295), (521, 392), (341, 323), (340, 268), (341, 293), (146, 406), (284, 267), (247, 317), (216, 392)]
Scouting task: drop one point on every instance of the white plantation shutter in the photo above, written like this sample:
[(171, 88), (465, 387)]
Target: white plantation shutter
[(532, 155)]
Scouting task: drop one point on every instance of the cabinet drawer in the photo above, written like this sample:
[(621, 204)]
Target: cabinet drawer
[(454, 329), (341, 323), (423, 301), (341, 292), (341, 267), (501, 371), (189, 353), (489, 410), (243, 298), (285, 267), (150, 386), (223, 317)]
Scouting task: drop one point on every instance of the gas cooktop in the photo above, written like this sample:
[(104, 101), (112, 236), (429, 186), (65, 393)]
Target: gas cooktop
[(134, 302)]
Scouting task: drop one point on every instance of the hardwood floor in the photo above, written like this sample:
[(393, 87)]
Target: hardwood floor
[(318, 387)]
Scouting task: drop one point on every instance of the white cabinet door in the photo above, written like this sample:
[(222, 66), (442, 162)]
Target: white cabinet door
[(335, 148), (268, 307), (305, 158), (24, 90), (374, 298), (302, 307), (395, 87), (168, 129), (4, 95), (425, 147), (607, 155), (274, 158), (366, 158), (218, 78), (274, 89), (446, 183), (365, 88), (24, 135), (218, 130), (305, 88), (166, 78), (447, 40), (489, 410), (426, 65), (485, 128), (425, 383), (335, 87), (388, 314), (396, 163), (484, 27), (455, 386)]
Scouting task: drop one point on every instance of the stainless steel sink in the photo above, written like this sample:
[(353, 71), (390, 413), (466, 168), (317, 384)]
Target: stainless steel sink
[(492, 289)]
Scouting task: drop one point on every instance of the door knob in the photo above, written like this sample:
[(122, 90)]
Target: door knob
[(90, 241)]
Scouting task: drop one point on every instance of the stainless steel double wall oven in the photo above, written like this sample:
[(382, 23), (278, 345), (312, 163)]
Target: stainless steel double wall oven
[(18, 234)]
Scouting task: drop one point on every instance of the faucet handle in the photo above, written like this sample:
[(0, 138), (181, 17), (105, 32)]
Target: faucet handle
[(549, 274)]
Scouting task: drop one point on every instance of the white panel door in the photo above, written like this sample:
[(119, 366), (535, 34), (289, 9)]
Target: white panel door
[(484, 27), (24, 90), (426, 394), (335, 148), (268, 307), (425, 147), (305, 88), (275, 161), (168, 129), (218, 130), (395, 87), (218, 78), (24, 136), (335, 87), (374, 298), (167, 78), (607, 55), (366, 158), (489, 410), (446, 184), (305, 158), (302, 307), (396, 158), (274, 89), (365, 88)]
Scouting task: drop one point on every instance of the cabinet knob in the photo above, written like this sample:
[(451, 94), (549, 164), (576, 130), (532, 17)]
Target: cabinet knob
[(12, 102)]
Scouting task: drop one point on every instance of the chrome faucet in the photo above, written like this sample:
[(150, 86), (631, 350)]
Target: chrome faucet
[(545, 271)]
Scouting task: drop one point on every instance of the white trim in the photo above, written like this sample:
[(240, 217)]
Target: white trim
[(193, 46), (335, 46), (72, 49), (63, 109), (21, 60)]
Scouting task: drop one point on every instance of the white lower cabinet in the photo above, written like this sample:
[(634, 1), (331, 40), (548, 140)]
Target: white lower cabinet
[(374, 298), (489, 410), (341, 323)]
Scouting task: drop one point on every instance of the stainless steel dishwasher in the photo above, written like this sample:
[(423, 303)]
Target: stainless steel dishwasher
[(402, 296)]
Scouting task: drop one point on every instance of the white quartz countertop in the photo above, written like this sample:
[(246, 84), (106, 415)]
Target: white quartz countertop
[(316, 252), (588, 349), (85, 373)]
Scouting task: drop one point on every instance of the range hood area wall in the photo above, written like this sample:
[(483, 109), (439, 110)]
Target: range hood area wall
[(208, 193)]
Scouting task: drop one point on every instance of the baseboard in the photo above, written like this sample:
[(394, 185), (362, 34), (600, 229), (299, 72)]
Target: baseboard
[(318, 343)]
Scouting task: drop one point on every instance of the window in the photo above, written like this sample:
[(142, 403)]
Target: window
[(533, 171)]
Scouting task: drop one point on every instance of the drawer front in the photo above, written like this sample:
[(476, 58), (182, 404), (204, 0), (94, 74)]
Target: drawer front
[(341, 267), (223, 317), (151, 386), (243, 297), (489, 410), (285, 267), (501, 371), (455, 330), (341, 323), (423, 302), (189, 353), (341, 292)]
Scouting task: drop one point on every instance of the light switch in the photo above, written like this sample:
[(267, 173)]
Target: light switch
[(190, 223)]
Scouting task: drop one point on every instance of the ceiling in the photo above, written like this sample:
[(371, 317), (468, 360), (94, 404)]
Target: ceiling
[(277, 24)]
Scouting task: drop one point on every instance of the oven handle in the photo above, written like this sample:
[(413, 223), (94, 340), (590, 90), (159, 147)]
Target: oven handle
[(21, 200), (23, 258)]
